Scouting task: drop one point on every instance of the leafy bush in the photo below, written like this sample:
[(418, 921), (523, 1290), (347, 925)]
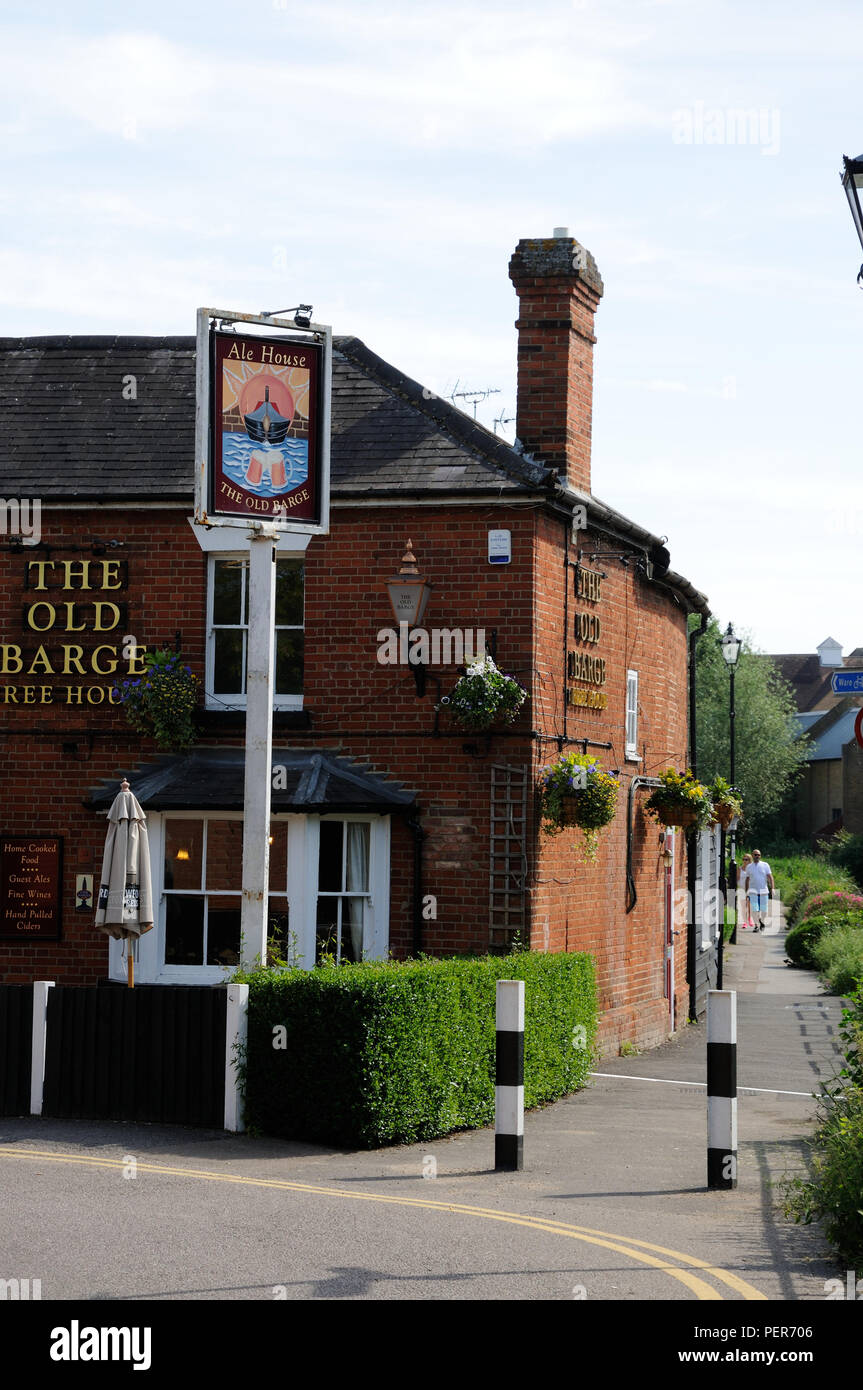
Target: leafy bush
[(386, 1052), (831, 904), (846, 851), (800, 879), (838, 955), (834, 1192), (801, 940)]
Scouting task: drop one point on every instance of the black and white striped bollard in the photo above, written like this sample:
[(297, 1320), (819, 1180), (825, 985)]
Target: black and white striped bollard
[(509, 1077), (721, 1088)]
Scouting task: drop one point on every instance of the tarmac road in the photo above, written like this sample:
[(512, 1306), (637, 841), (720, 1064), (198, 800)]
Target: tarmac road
[(611, 1204)]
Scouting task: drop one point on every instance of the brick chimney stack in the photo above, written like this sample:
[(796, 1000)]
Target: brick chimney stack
[(559, 289)]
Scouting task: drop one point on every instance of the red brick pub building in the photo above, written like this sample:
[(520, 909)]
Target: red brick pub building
[(394, 831)]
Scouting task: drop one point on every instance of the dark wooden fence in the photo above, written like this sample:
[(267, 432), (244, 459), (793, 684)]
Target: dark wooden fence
[(16, 1040), (155, 1054)]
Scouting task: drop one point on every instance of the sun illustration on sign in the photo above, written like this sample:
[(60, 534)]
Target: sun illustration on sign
[(244, 388)]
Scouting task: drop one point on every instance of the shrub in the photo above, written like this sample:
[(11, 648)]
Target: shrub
[(801, 940), (846, 851), (830, 905), (386, 1052), (808, 877), (838, 954), (834, 1192)]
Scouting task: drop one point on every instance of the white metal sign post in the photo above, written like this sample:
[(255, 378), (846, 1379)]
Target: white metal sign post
[(260, 685), (262, 456)]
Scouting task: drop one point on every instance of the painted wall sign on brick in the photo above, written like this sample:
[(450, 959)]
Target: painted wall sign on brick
[(30, 876)]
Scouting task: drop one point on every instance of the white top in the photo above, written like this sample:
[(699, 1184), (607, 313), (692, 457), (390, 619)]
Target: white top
[(756, 876)]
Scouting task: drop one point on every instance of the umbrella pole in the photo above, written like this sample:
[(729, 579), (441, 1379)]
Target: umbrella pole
[(131, 959)]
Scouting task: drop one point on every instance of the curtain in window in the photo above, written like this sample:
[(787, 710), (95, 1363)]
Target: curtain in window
[(357, 874)]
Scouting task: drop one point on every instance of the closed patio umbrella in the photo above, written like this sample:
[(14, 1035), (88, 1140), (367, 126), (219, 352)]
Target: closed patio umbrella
[(125, 904)]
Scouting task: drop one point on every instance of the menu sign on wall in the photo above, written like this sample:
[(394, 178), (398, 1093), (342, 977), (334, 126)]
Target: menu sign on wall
[(31, 874)]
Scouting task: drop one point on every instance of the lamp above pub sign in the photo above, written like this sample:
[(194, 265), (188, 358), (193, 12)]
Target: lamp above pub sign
[(263, 421)]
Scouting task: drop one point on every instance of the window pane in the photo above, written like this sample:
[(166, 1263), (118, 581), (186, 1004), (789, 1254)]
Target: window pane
[(278, 928), (289, 593), (229, 676), (227, 590), (289, 663), (223, 931), (184, 840), (278, 856), (224, 854), (327, 927), (330, 857), (184, 931), (358, 857), (352, 928)]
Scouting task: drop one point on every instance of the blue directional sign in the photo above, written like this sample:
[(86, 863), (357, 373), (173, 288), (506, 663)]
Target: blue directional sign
[(847, 682)]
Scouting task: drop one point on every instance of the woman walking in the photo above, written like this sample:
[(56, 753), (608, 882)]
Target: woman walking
[(742, 894)]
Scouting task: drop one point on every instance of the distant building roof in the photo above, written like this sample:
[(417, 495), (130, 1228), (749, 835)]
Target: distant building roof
[(810, 680)]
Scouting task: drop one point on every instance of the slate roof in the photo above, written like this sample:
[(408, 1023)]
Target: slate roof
[(213, 779), (69, 433)]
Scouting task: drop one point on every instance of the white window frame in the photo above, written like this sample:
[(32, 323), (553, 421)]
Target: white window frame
[(302, 896), (631, 711), (238, 702)]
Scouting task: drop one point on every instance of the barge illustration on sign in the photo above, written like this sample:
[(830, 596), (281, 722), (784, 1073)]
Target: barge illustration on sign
[(264, 420)]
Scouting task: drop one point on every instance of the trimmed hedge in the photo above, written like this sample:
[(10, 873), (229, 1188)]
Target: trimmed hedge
[(386, 1052)]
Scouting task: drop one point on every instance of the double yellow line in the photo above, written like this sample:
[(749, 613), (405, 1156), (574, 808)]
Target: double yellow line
[(622, 1245)]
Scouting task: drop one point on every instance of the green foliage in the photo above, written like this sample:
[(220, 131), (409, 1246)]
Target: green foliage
[(838, 955), (800, 878), (846, 852), (385, 1052), (161, 703), (831, 904), (576, 786), (682, 790), (723, 796), (768, 757), (834, 1192), (484, 696)]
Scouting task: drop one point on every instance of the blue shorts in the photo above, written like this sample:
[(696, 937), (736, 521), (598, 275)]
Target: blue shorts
[(758, 902)]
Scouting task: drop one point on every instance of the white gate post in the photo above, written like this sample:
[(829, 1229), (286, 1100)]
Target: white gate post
[(236, 1038), (39, 1039)]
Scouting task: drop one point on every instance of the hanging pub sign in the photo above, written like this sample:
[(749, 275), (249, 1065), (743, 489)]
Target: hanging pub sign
[(31, 870), (263, 422)]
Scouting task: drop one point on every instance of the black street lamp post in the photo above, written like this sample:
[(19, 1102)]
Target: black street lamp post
[(852, 182), (731, 652)]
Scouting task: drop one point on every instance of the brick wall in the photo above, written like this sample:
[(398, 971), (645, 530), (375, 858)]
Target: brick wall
[(52, 754)]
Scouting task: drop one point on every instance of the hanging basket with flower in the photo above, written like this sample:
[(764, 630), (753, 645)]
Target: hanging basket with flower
[(726, 802), (576, 792), (681, 800), (484, 696), (161, 702)]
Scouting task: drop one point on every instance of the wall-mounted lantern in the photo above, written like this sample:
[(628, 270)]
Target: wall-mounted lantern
[(409, 594)]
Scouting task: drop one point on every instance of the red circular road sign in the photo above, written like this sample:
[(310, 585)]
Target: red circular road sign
[(858, 726)]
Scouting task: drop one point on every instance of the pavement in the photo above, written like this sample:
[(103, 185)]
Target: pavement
[(611, 1204)]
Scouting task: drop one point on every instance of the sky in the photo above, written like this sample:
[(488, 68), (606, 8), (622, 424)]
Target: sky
[(381, 161)]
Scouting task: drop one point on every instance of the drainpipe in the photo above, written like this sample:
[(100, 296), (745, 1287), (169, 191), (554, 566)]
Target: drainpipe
[(419, 836), (691, 841)]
